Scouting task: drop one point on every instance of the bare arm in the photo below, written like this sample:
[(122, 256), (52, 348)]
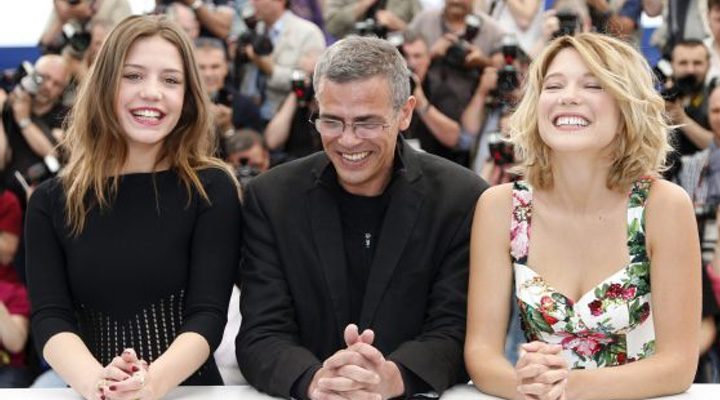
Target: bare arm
[(446, 130), (488, 295), (652, 8), (523, 11), (340, 15), (184, 356), (8, 247), (674, 252), (71, 359), (13, 330), (278, 129), (700, 136), (218, 21), (473, 115)]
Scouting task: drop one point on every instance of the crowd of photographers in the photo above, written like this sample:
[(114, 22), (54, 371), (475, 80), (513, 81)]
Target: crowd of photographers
[(468, 60)]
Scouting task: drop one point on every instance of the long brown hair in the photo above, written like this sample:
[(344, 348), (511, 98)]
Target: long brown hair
[(95, 141)]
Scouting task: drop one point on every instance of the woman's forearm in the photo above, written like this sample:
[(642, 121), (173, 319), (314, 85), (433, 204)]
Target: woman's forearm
[(70, 358), (185, 355), (658, 375)]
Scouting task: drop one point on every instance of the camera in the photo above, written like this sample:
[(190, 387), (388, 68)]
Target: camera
[(303, 90), (502, 152), (508, 76), (24, 77), (682, 86), (369, 26), (254, 36), (456, 53), (224, 97), (245, 172), (75, 35), (568, 23)]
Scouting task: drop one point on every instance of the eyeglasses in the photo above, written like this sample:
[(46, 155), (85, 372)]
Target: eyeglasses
[(332, 127)]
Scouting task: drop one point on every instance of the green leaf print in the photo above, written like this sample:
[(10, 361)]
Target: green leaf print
[(536, 321)]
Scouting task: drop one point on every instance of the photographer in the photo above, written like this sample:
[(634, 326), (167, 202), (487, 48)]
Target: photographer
[(288, 135), (460, 42), (72, 16), (496, 94), (31, 119), (247, 154), (230, 109), (267, 77), (437, 133), (686, 98), (566, 17), (341, 16), (215, 16)]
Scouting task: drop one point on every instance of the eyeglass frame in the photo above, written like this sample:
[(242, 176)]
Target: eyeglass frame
[(354, 125)]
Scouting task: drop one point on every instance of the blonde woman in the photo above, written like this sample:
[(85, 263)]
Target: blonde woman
[(603, 253), (132, 250)]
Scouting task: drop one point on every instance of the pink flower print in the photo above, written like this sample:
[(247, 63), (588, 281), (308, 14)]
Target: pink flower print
[(585, 343), (629, 293), (596, 307), (522, 197), (546, 306), (614, 291), (519, 235), (644, 312)]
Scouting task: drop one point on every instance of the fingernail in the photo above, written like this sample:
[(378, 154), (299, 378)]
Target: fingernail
[(112, 387), (134, 368)]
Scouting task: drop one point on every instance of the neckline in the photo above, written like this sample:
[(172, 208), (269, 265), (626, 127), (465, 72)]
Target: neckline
[(582, 296), (628, 238)]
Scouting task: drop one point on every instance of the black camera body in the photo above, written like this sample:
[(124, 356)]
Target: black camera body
[(508, 79), (568, 23), (456, 53), (304, 91), (370, 27), (682, 85), (76, 35), (24, 77), (224, 97), (502, 152), (253, 36), (245, 172)]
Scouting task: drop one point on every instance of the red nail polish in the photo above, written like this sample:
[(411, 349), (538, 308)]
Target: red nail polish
[(134, 368), (112, 387), (102, 397)]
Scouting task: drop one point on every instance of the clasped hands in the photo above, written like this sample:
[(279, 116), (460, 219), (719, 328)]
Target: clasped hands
[(358, 372), (541, 372), (125, 378)]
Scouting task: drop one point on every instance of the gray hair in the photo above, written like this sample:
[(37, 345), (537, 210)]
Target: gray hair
[(358, 58)]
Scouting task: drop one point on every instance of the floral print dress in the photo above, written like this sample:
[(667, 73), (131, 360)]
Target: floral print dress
[(609, 325)]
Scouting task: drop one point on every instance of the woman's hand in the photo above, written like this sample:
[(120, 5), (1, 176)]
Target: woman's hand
[(124, 378), (541, 371)]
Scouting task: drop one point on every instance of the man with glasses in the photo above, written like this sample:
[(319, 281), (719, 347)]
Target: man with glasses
[(31, 123), (356, 258)]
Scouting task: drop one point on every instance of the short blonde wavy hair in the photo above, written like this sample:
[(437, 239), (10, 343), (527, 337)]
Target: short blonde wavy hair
[(641, 146)]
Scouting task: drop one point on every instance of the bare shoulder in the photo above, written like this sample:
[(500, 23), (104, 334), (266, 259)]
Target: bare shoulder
[(668, 212), (495, 205), (667, 198)]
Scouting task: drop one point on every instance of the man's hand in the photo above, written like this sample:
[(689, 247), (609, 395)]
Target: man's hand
[(361, 372), (676, 111), (440, 47), (264, 63), (541, 371), (391, 21), (223, 116), (21, 104), (488, 81), (475, 57)]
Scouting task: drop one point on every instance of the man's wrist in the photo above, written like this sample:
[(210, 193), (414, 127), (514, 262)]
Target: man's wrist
[(195, 5), (24, 122)]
